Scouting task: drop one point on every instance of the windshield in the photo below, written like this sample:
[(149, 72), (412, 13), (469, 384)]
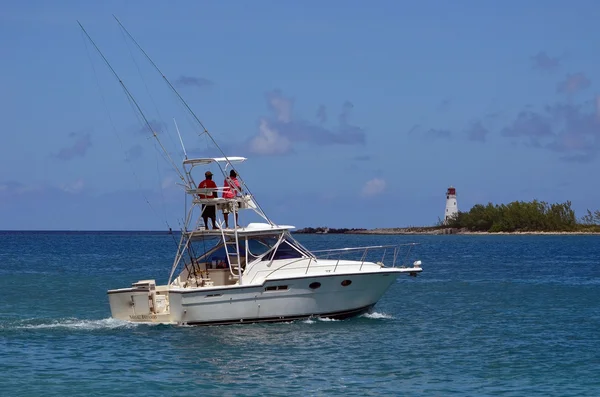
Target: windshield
[(258, 246)]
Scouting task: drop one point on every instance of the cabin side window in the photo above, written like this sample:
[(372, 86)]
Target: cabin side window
[(276, 288)]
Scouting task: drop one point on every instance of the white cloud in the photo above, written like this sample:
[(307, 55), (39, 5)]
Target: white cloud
[(74, 187), (281, 105), (167, 182), (278, 133), (573, 83), (269, 141), (12, 188), (374, 187)]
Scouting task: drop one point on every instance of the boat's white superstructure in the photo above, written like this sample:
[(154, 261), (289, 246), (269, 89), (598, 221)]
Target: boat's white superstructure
[(256, 272), (253, 273)]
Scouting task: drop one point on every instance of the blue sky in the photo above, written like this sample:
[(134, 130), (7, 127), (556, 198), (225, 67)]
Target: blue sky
[(351, 114)]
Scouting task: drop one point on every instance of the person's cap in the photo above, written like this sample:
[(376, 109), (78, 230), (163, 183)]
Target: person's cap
[(208, 173)]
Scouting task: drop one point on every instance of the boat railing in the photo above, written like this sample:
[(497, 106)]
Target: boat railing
[(245, 201), (366, 253)]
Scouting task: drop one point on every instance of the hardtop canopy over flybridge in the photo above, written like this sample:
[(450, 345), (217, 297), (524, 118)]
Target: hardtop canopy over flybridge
[(251, 271)]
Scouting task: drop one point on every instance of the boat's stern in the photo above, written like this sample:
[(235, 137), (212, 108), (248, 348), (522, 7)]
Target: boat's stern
[(143, 302)]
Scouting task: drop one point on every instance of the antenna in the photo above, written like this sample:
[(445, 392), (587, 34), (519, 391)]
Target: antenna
[(180, 140)]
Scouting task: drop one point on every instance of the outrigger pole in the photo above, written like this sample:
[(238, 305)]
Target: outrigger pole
[(130, 97), (192, 113)]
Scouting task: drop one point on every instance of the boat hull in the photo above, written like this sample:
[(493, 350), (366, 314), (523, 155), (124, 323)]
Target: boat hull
[(337, 296), (277, 319)]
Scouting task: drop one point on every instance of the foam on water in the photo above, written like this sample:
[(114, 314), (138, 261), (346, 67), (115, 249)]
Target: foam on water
[(326, 319), (78, 324), (377, 315)]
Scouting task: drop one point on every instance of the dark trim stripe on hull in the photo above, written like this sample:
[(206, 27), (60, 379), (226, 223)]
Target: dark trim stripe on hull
[(334, 315)]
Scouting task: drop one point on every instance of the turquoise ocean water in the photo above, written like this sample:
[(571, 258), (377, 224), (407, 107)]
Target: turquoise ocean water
[(489, 315)]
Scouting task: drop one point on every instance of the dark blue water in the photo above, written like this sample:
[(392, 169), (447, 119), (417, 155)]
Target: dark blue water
[(489, 315)]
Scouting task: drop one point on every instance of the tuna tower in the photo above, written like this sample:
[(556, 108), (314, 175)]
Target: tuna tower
[(451, 206)]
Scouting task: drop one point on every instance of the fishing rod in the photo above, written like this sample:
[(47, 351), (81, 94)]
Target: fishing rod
[(191, 112), (132, 99)]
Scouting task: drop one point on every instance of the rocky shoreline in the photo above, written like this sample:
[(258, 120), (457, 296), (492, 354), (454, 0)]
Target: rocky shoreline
[(428, 231)]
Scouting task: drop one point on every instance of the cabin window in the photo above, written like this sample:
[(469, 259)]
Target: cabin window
[(314, 285), (276, 288), (258, 246), (346, 283), (284, 251)]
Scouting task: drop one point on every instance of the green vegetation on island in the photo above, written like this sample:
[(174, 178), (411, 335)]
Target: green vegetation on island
[(521, 216), (515, 217), (328, 230)]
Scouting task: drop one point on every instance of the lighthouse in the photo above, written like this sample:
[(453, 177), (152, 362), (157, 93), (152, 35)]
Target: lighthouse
[(451, 206)]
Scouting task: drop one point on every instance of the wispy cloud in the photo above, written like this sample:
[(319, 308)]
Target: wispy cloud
[(437, 133), (373, 187), (570, 130), (13, 188), (322, 114), (82, 142), (73, 187), (167, 182), (133, 153), (444, 105), (346, 111), (415, 129), (530, 125), (280, 105), (156, 126), (573, 83), (544, 62), (477, 132), (431, 133), (269, 141), (190, 81), (280, 133)]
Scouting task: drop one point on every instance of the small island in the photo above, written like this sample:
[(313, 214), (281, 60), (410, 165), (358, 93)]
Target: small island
[(517, 217)]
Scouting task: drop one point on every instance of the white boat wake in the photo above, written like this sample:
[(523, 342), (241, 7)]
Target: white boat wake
[(78, 324), (377, 315)]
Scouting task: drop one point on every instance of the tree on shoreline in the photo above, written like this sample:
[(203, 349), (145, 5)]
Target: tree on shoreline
[(591, 218), (523, 216), (517, 216)]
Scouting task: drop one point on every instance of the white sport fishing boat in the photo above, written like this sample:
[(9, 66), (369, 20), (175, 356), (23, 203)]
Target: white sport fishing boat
[(253, 273)]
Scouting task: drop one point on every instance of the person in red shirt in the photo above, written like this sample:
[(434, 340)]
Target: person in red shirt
[(209, 210), (231, 186)]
